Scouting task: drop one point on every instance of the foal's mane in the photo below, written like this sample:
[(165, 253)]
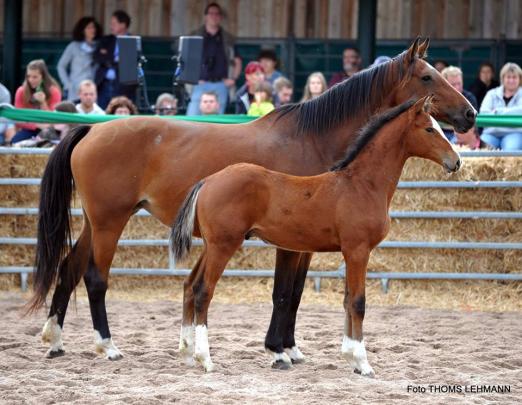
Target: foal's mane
[(363, 93), (369, 131)]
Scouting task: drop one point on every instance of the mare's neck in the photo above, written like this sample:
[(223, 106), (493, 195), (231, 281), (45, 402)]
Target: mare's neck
[(379, 165)]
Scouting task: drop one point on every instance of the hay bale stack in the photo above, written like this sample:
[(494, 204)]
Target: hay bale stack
[(415, 260)]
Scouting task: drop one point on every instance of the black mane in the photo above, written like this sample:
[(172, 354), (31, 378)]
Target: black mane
[(362, 93), (368, 132)]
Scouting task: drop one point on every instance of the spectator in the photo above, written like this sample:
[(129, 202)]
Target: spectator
[(283, 91), (76, 64), (254, 74), (268, 59), (220, 65), (262, 104), (56, 132), (471, 140), (440, 65), (7, 127), (351, 65), (315, 86), (121, 105), (106, 56), (209, 103), (453, 75), (39, 91), (88, 95), (484, 82), (166, 104), (505, 99)]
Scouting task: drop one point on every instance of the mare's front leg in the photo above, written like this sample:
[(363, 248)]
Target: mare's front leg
[(285, 273), (355, 303)]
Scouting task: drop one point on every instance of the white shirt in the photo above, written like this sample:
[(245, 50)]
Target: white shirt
[(96, 109)]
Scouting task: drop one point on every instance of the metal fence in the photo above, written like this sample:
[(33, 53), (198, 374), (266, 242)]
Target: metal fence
[(317, 275)]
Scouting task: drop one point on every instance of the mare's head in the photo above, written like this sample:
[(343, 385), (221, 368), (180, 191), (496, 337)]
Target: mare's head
[(424, 137), (420, 79)]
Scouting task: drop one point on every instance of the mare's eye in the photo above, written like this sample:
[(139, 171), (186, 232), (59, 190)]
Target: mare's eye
[(426, 78), (430, 130)]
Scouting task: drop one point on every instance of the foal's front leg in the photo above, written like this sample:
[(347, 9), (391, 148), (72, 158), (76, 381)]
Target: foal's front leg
[(355, 303)]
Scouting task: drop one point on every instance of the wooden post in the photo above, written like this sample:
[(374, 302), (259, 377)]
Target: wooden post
[(366, 30)]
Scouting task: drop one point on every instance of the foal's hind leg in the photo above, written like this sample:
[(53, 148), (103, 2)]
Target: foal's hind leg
[(286, 268), (70, 273), (289, 344), (216, 259), (186, 339), (104, 242)]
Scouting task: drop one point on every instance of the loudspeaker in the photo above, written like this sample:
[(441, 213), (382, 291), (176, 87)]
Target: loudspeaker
[(129, 50), (190, 53)]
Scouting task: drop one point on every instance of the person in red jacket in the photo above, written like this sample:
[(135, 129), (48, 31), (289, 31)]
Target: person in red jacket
[(39, 91)]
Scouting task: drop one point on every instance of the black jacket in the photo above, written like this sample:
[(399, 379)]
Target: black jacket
[(104, 57)]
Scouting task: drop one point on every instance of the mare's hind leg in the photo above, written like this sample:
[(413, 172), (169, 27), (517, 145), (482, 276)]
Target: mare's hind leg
[(76, 262), (289, 344), (186, 339), (286, 268), (215, 260), (104, 242)]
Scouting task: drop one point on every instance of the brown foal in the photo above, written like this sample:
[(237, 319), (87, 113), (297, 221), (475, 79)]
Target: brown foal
[(343, 210)]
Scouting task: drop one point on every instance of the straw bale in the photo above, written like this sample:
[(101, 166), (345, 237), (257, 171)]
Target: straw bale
[(22, 165)]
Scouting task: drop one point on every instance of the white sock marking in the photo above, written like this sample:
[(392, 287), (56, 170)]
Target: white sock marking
[(294, 353), (106, 347), (202, 350), (355, 352), (52, 334), (186, 343)]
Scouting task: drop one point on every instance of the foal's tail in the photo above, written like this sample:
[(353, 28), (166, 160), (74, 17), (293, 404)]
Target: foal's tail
[(181, 235), (54, 221)]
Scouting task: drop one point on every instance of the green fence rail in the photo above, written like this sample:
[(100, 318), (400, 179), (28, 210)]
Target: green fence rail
[(27, 115)]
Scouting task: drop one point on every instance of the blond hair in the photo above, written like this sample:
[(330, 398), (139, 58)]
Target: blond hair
[(451, 71), (307, 95), (510, 67)]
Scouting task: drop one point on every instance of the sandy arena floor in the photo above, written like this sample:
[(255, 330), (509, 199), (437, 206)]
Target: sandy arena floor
[(406, 346)]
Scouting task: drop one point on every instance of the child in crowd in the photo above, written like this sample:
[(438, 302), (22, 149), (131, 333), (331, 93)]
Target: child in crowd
[(262, 104)]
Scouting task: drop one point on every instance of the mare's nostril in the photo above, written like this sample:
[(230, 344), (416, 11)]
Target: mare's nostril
[(471, 114)]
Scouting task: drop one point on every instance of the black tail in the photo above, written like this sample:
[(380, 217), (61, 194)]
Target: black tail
[(54, 240), (181, 235)]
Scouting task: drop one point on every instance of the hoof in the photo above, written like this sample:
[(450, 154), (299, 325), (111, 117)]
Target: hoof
[(367, 373), (298, 361), (51, 354), (281, 365), (114, 356)]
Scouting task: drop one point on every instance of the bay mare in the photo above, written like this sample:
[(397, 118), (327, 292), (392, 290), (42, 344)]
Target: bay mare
[(147, 162), (343, 210)]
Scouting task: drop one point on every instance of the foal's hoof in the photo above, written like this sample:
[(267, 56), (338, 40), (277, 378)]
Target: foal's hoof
[(51, 354), (295, 355), (298, 361), (281, 365), (114, 356), (367, 373)]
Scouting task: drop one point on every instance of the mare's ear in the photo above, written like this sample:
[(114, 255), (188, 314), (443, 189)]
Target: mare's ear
[(422, 51), (411, 53)]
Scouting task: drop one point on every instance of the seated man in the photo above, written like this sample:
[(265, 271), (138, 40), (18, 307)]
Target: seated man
[(209, 103), (351, 65), (283, 91), (88, 95)]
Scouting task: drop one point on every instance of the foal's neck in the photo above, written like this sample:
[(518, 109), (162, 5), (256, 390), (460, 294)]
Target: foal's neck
[(380, 163)]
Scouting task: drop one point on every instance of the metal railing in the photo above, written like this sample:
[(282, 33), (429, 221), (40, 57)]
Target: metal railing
[(316, 275)]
